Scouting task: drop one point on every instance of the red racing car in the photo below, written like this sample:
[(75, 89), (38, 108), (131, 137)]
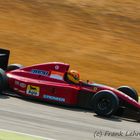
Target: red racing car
[(49, 82)]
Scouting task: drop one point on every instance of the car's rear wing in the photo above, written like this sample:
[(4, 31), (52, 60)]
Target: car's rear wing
[(4, 58)]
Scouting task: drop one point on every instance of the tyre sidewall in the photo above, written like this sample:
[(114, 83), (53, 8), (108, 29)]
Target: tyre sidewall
[(110, 97)]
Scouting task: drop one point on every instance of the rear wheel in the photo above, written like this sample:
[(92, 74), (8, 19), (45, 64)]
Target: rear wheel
[(105, 103), (14, 67), (3, 80), (130, 92)]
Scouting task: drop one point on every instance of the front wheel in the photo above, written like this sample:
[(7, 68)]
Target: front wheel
[(130, 92), (105, 103)]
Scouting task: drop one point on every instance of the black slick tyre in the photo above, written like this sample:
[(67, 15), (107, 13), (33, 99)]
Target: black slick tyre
[(3, 80), (105, 103), (14, 67), (129, 91)]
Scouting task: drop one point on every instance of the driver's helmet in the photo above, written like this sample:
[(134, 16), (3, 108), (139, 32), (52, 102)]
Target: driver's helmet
[(73, 76)]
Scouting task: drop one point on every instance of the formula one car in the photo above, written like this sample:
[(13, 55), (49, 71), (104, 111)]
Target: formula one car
[(47, 82)]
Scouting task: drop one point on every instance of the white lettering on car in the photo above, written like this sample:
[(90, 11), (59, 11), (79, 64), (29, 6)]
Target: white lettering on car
[(40, 72), (59, 99)]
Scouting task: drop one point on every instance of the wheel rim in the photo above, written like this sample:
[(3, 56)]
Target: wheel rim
[(104, 104)]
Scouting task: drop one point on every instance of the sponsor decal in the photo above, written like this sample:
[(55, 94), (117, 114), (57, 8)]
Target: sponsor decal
[(17, 83), (57, 75), (56, 67), (40, 72), (54, 98), (33, 90), (22, 85), (16, 89)]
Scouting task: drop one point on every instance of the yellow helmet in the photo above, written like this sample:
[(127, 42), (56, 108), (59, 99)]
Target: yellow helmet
[(73, 76)]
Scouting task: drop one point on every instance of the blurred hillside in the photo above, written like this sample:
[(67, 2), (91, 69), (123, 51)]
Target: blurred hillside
[(100, 38)]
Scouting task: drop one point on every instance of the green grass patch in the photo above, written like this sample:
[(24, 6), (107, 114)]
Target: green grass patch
[(6, 135)]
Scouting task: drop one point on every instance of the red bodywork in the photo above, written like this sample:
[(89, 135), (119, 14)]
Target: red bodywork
[(47, 82)]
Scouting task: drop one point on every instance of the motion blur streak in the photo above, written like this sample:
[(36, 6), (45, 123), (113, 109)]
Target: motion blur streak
[(102, 34)]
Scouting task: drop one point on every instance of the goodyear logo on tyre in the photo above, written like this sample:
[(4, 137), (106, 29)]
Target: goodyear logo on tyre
[(33, 90)]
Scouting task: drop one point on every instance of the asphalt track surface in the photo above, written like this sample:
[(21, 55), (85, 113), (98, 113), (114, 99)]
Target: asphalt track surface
[(62, 123)]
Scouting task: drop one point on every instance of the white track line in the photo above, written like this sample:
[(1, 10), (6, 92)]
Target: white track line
[(40, 137)]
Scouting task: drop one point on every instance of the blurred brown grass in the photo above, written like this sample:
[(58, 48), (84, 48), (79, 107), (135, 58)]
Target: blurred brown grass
[(100, 38)]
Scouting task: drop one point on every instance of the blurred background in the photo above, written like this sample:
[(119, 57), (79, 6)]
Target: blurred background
[(99, 38)]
